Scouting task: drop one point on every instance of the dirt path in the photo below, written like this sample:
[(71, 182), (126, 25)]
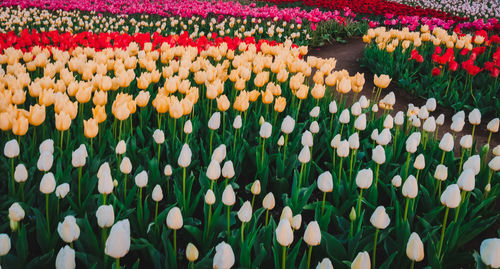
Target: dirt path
[(348, 55)]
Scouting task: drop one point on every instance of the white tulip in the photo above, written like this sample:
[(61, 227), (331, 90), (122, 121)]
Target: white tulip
[(105, 216), (388, 122), (4, 244), (47, 146), (188, 127), (467, 181), (228, 169), (213, 170), (305, 155), (375, 108), (20, 173), (494, 164), (209, 197), (379, 218), (16, 212), (307, 139), (490, 248), (332, 107), (118, 242), (228, 196), (159, 136), (68, 230), (399, 119), (224, 256), (245, 212), (121, 147), (441, 172), (237, 123), (493, 125), (430, 125), (45, 161), (126, 166), (185, 156), (343, 149), (65, 258), (415, 248), (141, 179), (457, 125), (475, 117), (268, 202), (48, 183), (11, 149), (384, 137), (364, 102), (354, 141), (325, 182), (312, 235), (344, 116), (314, 113), (191, 253), (474, 163), (335, 141), (314, 128), (396, 181), (214, 121), (219, 153), (167, 171), (360, 122), (284, 233), (364, 178), (419, 163), (281, 141), (255, 189), (374, 135), (423, 113), (410, 187), (446, 143), (378, 155), (325, 264), (174, 219), (466, 141), (62, 190), (362, 261), (157, 193), (356, 109), (440, 120), (451, 196), (431, 104), (266, 129)]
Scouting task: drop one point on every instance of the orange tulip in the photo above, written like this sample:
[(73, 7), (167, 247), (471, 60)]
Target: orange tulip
[(280, 104), (20, 125), (99, 113), (267, 97), (90, 128), (100, 98), (142, 98), (161, 103), (63, 121), (175, 108), (36, 115), (5, 121), (318, 91), (223, 103)]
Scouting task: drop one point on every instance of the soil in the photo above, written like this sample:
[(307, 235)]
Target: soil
[(348, 57)]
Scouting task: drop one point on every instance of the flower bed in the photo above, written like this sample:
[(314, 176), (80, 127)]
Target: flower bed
[(217, 153), (459, 70), (480, 9)]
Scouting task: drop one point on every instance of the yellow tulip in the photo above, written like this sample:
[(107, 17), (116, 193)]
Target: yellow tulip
[(63, 121), (90, 128), (20, 125), (37, 115), (381, 81), (223, 103)]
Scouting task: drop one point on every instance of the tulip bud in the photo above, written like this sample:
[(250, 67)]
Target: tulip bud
[(364, 178), (325, 182), (185, 156), (62, 190), (362, 261), (496, 150), (451, 196), (384, 137), (174, 219), (343, 149), (4, 244), (466, 141), (314, 113), (467, 181), (475, 117), (159, 136), (312, 235), (261, 120), (11, 149), (118, 242), (430, 125), (388, 122), (157, 193), (296, 222), (474, 163), (375, 108), (396, 181), (48, 183), (20, 174), (332, 107), (228, 196), (356, 109), (224, 256), (245, 212), (457, 125), (268, 202), (281, 141), (305, 155), (314, 128), (431, 104), (441, 172), (188, 127), (121, 147), (141, 179), (399, 119), (410, 187), (415, 248), (105, 216), (284, 233), (45, 161), (489, 252), (360, 122), (423, 113), (446, 143), (191, 253), (374, 135), (266, 130), (237, 123), (126, 166), (494, 164), (379, 218), (47, 146), (66, 258), (440, 120), (325, 264), (335, 141), (307, 139), (228, 170), (493, 125), (419, 163), (344, 116), (287, 214), (68, 230), (213, 170), (255, 187), (378, 155), (214, 121), (219, 153), (352, 214)]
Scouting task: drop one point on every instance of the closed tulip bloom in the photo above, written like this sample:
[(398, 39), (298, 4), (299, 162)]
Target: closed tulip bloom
[(475, 117), (381, 81), (288, 125), (47, 146), (344, 116), (63, 121), (20, 173), (379, 218), (191, 253), (374, 135), (457, 125), (185, 156), (415, 248), (48, 183), (474, 163), (446, 143), (384, 137), (121, 147), (4, 244), (237, 123), (410, 187), (174, 219), (213, 170), (314, 128), (214, 121), (362, 261), (68, 230), (219, 153), (296, 222), (245, 212), (354, 141), (228, 169), (335, 141), (268, 202), (388, 122), (16, 212), (126, 166), (228, 196), (141, 179), (489, 252), (466, 141), (325, 182), (451, 196), (419, 162), (378, 155), (360, 122), (255, 189), (11, 149), (266, 129), (364, 178), (78, 157), (224, 256), (356, 109), (307, 139), (62, 190), (305, 155), (494, 164), (343, 149), (441, 172), (430, 124), (431, 104), (45, 161), (312, 235), (157, 193), (159, 136), (188, 127), (90, 128), (284, 233), (415, 122), (396, 181), (105, 216), (325, 264), (287, 214), (332, 107), (65, 258), (467, 181), (281, 141), (399, 119), (440, 120), (314, 113), (209, 197), (493, 125), (423, 113), (118, 242), (167, 171)]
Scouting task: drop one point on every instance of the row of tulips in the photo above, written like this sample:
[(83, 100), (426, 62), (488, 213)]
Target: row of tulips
[(460, 70), (105, 112), (272, 28)]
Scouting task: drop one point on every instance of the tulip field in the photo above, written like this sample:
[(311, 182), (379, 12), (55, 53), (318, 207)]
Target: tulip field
[(204, 134)]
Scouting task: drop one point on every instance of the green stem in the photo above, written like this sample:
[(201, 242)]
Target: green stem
[(156, 214), (323, 204), (460, 205), (412, 264), (375, 248), (79, 185), (359, 201), (262, 154), (442, 157), (443, 230), (461, 160), (125, 187), (376, 175), (242, 232), (340, 169), (175, 244), (406, 208), (12, 178), (284, 149), (209, 217), (267, 216), (228, 223), (309, 257), (117, 263), (211, 138), (300, 175), (47, 212), (184, 186), (283, 264), (104, 196), (407, 164)]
